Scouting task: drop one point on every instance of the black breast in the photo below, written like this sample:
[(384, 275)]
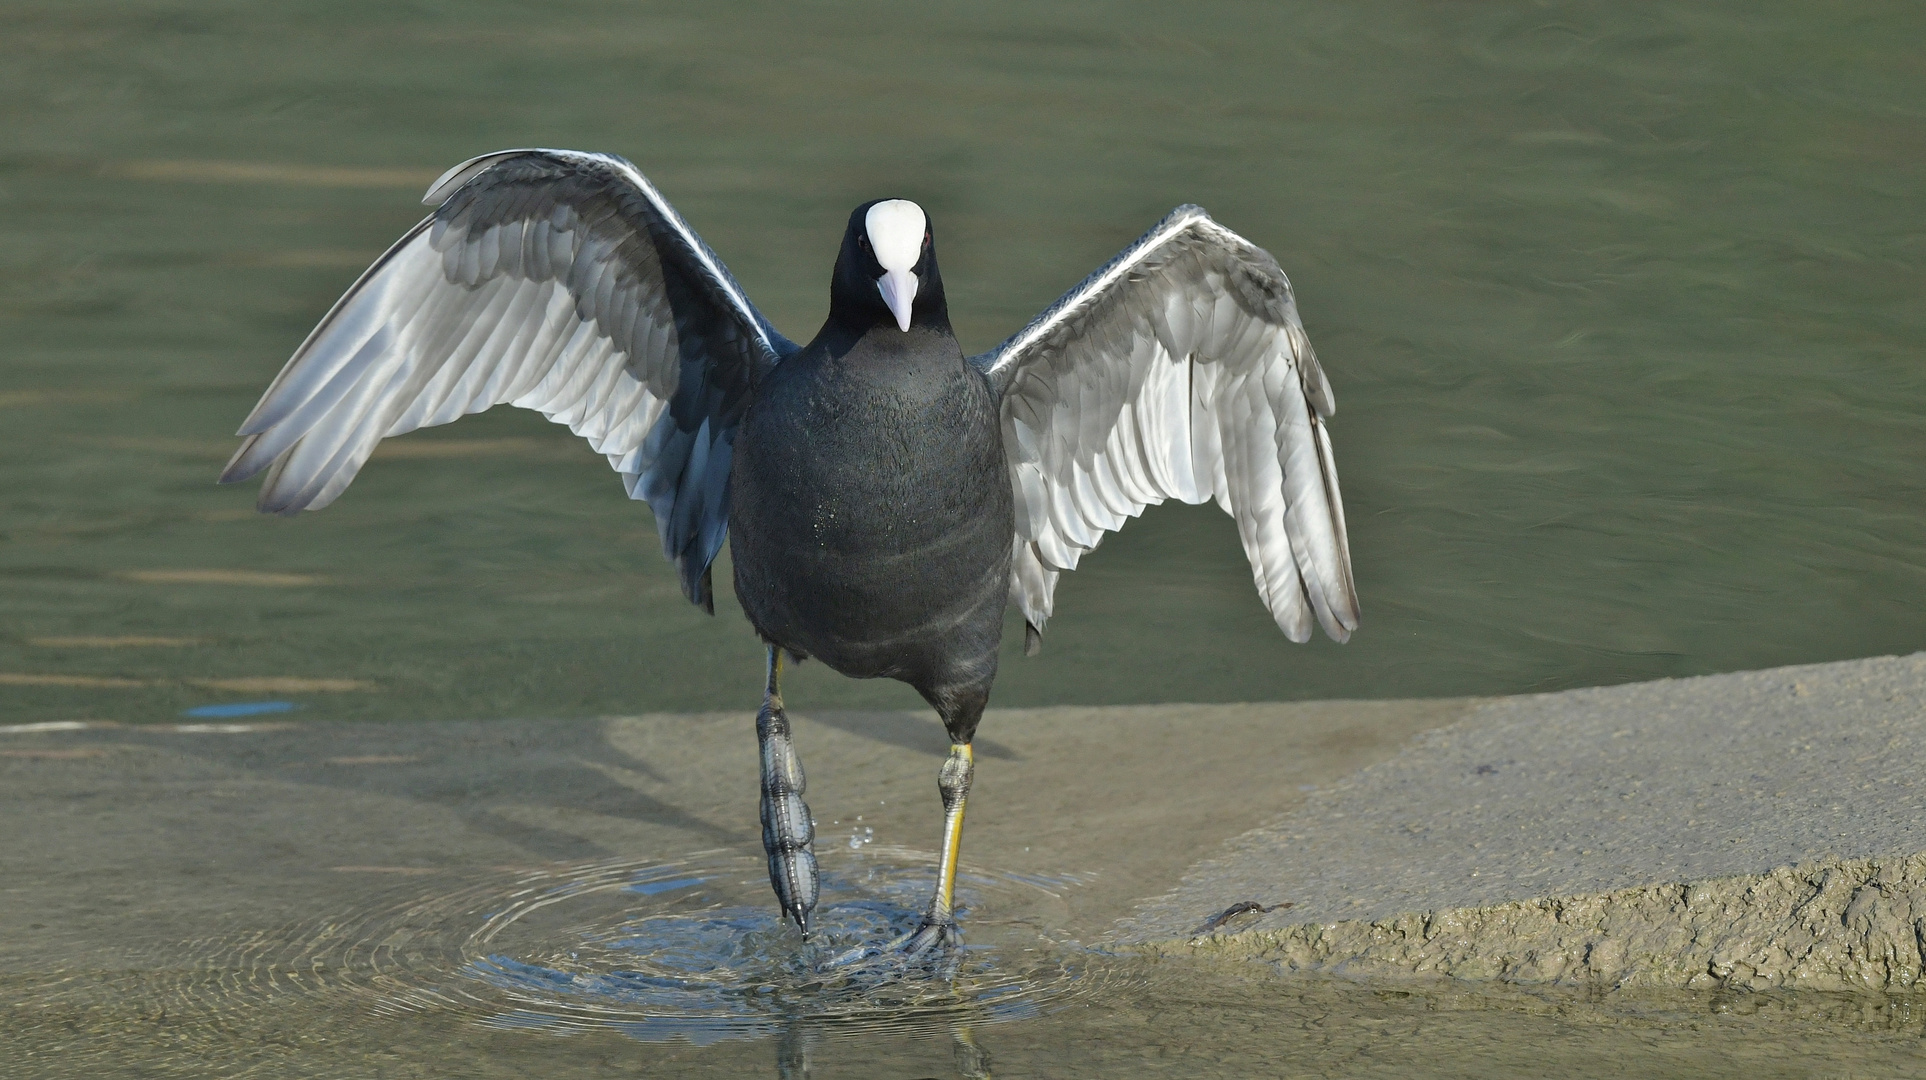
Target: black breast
[(871, 520)]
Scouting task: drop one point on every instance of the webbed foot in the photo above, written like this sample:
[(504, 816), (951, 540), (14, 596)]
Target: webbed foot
[(934, 937), (935, 944)]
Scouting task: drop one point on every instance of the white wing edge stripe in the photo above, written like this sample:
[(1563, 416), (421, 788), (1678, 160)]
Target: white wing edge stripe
[(634, 176), (1109, 278), (695, 244)]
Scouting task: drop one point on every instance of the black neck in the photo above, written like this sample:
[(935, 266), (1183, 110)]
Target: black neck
[(855, 303)]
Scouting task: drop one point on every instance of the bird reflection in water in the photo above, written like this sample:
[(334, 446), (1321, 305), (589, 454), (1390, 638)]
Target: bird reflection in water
[(799, 1037)]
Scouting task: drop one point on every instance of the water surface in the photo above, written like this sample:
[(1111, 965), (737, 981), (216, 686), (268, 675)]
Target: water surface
[(1620, 305), (628, 967)]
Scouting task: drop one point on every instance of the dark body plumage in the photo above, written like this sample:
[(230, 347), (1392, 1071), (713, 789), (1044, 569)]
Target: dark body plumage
[(870, 502), (870, 514), (883, 495)]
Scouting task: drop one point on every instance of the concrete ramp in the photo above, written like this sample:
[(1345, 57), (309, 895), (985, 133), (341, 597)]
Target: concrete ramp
[(1747, 830)]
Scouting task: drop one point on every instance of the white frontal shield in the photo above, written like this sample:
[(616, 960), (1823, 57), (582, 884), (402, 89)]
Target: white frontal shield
[(895, 228)]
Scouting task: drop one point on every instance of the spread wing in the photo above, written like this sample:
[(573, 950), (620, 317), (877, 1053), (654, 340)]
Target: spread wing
[(552, 280), (1180, 370)]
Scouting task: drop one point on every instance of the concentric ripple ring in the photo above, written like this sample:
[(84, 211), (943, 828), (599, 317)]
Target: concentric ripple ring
[(689, 948)]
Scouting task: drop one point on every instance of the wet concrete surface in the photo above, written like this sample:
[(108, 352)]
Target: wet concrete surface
[(122, 839), (1147, 820), (1712, 782), (1598, 789)]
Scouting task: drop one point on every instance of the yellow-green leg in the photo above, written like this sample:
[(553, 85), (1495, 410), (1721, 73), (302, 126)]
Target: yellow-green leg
[(939, 926)]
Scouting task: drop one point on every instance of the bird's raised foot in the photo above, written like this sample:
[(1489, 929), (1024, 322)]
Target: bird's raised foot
[(787, 830)]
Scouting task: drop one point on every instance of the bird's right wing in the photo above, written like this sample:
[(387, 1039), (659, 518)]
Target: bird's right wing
[(553, 280), (1180, 370)]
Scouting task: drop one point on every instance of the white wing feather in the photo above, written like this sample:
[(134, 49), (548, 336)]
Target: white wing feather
[(1180, 370), (551, 280)]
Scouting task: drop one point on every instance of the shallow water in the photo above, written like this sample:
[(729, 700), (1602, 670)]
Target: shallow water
[(688, 950), (679, 969), (1620, 304), (702, 956)]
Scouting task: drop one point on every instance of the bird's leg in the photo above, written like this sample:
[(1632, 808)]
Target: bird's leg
[(939, 925), (787, 830)]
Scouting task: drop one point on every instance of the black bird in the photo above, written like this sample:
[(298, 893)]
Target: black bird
[(886, 495)]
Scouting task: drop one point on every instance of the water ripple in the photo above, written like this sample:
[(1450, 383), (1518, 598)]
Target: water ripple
[(687, 949)]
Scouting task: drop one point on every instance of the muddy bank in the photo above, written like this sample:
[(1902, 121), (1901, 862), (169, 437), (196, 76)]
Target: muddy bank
[(1838, 925)]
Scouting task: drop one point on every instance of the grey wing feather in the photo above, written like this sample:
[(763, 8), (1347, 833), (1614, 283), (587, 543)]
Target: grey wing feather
[(1180, 370), (552, 280)]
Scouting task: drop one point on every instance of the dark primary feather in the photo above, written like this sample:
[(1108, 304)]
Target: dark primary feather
[(553, 280), (1178, 370)]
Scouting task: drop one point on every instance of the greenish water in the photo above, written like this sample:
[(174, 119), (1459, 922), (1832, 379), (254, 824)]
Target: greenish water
[(623, 968), (1156, 1020), (1621, 305)]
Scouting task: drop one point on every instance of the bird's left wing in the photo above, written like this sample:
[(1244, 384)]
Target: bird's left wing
[(1180, 370), (554, 280)]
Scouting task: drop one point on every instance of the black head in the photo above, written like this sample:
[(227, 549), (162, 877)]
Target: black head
[(886, 272)]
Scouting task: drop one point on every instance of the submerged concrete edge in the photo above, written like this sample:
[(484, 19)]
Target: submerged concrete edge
[(1829, 924)]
